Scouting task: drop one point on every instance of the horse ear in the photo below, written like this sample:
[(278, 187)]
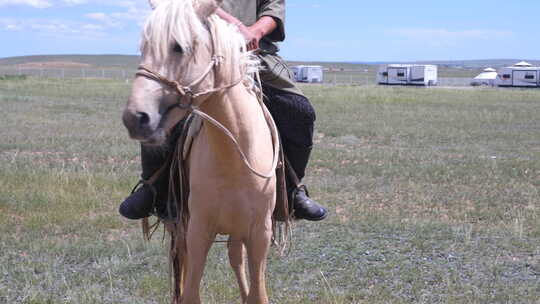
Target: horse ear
[(154, 3), (205, 8)]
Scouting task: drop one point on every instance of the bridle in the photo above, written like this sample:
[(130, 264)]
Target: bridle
[(188, 91), (182, 90)]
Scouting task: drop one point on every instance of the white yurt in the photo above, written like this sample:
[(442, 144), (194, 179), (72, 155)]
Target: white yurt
[(487, 77), (523, 64)]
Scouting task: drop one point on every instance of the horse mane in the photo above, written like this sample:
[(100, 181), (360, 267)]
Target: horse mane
[(231, 44), (176, 21)]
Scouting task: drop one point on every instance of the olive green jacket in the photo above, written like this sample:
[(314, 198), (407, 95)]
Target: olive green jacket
[(249, 11), (275, 72)]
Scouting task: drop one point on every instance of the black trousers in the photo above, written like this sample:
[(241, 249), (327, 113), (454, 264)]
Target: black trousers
[(295, 117)]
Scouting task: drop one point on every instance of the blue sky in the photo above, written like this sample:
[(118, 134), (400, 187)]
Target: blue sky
[(318, 30)]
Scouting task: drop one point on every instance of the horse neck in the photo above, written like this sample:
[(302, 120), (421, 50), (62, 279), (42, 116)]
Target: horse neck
[(238, 111)]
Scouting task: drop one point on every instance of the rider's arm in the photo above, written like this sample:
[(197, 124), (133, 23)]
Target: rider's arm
[(276, 10), (253, 34)]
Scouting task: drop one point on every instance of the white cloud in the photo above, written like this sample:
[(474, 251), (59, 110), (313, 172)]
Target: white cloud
[(92, 27), (32, 3), (140, 4), (74, 2), (132, 11), (108, 20), (97, 16), (130, 14), (51, 27), (10, 25), (129, 3), (121, 15), (98, 3)]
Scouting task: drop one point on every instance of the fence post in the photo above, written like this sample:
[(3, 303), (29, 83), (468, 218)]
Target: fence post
[(63, 73), (103, 73)]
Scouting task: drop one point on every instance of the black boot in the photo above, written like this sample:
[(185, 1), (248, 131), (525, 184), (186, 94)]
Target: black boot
[(304, 207), (153, 199), (142, 202)]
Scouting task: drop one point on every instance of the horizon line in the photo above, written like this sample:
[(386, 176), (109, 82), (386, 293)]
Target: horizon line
[(301, 60)]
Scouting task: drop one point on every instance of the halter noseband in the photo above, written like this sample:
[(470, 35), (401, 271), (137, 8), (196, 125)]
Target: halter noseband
[(181, 90)]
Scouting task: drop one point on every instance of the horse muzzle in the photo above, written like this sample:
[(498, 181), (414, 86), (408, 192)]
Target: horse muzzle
[(143, 127)]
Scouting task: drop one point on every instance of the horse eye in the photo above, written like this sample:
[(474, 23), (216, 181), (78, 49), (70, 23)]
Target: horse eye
[(177, 48)]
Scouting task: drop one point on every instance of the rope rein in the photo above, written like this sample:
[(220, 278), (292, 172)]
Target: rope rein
[(181, 90)]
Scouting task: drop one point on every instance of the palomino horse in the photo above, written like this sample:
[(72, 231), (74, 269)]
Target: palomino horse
[(193, 61)]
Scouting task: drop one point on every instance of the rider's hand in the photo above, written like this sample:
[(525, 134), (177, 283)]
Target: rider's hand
[(251, 35)]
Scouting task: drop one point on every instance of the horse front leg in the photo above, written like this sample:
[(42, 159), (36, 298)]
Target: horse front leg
[(198, 242), (236, 259), (257, 251)]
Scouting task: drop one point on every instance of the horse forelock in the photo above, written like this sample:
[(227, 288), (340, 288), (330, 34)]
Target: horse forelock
[(173, 22)]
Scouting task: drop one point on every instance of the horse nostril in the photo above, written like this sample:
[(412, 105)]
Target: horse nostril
[(144, 119)]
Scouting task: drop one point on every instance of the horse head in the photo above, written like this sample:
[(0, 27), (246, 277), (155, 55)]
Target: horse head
[(179, 61)]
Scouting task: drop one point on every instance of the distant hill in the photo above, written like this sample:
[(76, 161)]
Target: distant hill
[(98, 61), (130, 61), (450, 68), (467, 64)]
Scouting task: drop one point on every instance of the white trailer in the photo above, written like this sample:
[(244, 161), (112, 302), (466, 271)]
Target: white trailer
[(519, 75), (308, 73), (407, 74)]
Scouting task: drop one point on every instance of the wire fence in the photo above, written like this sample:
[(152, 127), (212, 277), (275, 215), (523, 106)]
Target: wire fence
[(69, 72), (330, 77)]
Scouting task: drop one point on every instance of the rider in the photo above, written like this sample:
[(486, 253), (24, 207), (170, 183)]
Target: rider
[(262, 24)]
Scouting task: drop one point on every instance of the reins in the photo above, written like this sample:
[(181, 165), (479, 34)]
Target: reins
[(188, 91), (274, 135)]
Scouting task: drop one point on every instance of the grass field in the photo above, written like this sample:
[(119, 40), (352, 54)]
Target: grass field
[(434, 198)]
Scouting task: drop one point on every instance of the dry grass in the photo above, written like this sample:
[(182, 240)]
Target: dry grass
[(433, 193)]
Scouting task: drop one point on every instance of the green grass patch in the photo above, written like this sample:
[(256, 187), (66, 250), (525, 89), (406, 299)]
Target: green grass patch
[(433, 196)]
